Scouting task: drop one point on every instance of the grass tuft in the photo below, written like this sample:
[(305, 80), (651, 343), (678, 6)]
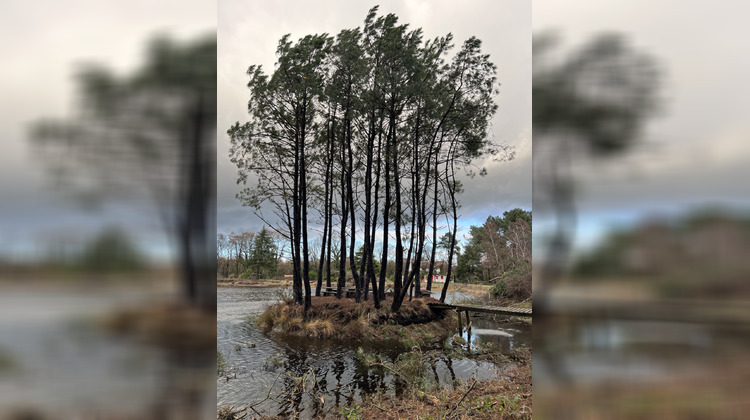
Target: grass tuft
[(221, 364), (414, 325)]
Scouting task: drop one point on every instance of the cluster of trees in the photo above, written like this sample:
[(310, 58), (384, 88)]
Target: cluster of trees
[(705, 250), (360, 133), (247, 254), (110, 250), (499, 252)]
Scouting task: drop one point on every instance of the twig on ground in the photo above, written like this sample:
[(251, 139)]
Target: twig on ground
[(462, 399), (378, 407)]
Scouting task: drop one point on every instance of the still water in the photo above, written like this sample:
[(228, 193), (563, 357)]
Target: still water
[(257, 363), (53, 357)]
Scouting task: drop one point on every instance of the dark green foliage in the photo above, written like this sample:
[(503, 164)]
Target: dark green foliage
[(496, 247), (469, 268), (358, 261), (263, 257), (500, 289), (446, 241), (514, 283), (369, 128), (111, 251), (511, 216)]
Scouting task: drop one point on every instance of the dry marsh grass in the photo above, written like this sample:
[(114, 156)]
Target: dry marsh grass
[(328, 317)]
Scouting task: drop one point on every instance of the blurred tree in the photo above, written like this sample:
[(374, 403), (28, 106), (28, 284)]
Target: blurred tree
[(594, 100), (150, 132), (111, 251)]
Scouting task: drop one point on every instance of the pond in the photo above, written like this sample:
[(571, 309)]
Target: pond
[(609, 350), (55, 359), (257, 363)]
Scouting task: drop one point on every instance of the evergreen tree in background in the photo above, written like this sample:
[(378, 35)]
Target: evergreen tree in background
[(263, 257)]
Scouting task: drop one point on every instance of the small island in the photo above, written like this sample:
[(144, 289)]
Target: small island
[(357, 289)]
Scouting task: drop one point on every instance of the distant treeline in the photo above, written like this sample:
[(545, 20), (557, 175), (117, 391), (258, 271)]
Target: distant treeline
[(703, 253), (110, 250), (497, 252), (247, 254)]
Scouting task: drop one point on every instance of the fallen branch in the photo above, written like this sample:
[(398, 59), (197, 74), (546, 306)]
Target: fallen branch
[(268, 396), (378, 407), (229, 413), (462, 399)]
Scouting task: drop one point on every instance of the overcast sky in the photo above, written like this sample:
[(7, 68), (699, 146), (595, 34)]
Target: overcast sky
[(695, 152), (41, 43), (249, 33)]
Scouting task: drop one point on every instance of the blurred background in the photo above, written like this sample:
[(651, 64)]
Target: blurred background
[(107, 309), (641, 268), (107, 179)]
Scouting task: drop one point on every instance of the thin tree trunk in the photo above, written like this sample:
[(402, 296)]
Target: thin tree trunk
[(367, 247), (326, 222), (377, 291), (342, 258), (353, 221), (454, 209), (329, 179), (303, 215), (386, 210), (397, 220), (297, 279)]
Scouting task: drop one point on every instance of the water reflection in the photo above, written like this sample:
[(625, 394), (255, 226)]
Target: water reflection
[(325, 374), (495, 332), (56, 359), (612, 350)]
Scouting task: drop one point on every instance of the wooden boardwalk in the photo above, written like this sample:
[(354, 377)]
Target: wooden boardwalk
[(722, 313), (331, 291), (502, 310)]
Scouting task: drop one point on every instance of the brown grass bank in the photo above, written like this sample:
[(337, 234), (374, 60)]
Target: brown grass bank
[(344, 319)]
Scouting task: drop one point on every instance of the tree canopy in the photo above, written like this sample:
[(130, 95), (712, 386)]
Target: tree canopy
[(500, 246), (361, 132)]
